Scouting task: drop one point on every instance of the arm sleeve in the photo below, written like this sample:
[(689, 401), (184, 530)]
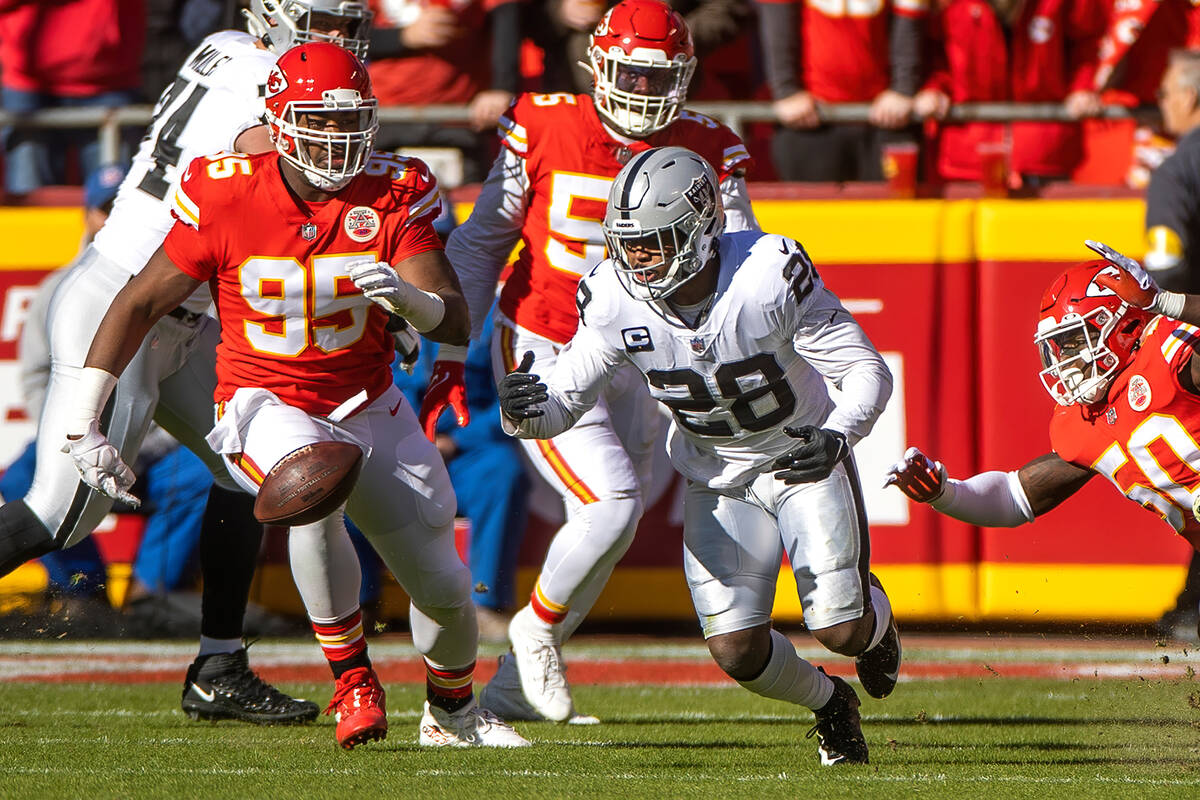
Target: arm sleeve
[(991, 499), (904, 53), (580, 374), (1170, 208), (506, 46), (739, 214), (780, 46), (831, 340), (479, 248)]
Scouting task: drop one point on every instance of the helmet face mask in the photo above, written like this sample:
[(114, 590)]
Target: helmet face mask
[(1086, 335), (322, 113), (642, 60), (662, 222), (283, 24)]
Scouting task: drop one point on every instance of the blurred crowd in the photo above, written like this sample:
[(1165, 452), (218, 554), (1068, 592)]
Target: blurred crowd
[(909, 61)]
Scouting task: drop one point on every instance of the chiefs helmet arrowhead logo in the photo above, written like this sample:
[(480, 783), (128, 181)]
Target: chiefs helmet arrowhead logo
[(276, 83)]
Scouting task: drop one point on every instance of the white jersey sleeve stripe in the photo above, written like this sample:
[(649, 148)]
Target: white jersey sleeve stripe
[(1182, 335), (429, 203), (514, 135), (186, 210)]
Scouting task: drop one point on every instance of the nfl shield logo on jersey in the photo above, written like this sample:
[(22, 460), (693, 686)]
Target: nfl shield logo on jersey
[(697, 345), (362, 223), (308, 231)]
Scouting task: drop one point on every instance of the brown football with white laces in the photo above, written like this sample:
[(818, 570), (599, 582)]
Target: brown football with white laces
[(308, 484)]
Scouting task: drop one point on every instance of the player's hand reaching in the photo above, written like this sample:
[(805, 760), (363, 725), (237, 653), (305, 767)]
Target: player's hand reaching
[(521, 391), (919, 477), (819, 452), (101, 466), (447, 388), (1133, 285), (379, 282)]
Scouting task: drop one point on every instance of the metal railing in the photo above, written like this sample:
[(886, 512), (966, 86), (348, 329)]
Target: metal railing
[(733, 114)]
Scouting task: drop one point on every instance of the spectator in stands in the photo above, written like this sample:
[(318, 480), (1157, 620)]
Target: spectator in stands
[(464, 52), (1133, 53), (64, 54), (562, 29), (1051, 56), (1173, 244), (834, 52)]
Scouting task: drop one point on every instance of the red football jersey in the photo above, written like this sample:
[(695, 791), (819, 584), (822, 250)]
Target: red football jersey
[(292, 321), (844, 50), (1144, 438), (571, 161)]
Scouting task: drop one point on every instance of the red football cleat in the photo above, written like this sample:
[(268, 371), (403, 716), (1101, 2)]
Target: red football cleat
[(359, 702)]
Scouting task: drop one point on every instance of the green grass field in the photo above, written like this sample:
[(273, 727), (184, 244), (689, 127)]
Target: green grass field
[(988, 736)]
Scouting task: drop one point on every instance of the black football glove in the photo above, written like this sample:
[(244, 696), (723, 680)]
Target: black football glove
[(819, 452), (521, 391)]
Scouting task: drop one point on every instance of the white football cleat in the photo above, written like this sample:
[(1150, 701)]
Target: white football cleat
[(470, 726), (538, 659), (503, 695)]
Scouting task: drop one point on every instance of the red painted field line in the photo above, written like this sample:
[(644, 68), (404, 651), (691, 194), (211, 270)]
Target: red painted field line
[(625, 672)]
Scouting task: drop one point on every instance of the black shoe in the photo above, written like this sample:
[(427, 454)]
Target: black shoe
[(879, 667), (222, 686), (839, 728)]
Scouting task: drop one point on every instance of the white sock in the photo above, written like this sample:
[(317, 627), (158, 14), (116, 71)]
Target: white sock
[(209, 645), (790, 678), (883, 615)]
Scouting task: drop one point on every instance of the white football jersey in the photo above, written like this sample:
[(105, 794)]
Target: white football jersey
[(758, 361), (217, 94)]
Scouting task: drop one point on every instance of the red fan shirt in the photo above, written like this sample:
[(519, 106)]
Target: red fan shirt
[(570, 161), (1144, 439), (292, 321)]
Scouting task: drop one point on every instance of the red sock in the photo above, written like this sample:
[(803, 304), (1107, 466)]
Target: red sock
[(342, 641), (446, 688)]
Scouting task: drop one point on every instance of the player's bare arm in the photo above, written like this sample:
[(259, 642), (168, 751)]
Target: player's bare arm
[(254, 140), (1048, 480), (148, 296)]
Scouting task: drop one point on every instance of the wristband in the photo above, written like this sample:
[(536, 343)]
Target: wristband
[(1169, 304), (95, 386), (452, 352)]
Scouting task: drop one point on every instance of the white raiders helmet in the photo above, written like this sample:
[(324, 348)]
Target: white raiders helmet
[(283, 24), (666, 199)]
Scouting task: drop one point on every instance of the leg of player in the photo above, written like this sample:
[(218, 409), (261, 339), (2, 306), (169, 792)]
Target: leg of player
[(732, 552), (589, 467), (219, 684), (404, 504)]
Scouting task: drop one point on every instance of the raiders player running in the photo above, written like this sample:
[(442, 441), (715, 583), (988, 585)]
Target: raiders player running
[(736, 334), (215, 103)]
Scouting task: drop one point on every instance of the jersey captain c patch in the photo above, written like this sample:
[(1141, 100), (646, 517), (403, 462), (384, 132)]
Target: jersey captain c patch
[(637, 340)]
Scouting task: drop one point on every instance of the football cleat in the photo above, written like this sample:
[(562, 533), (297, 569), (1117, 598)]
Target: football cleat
[(503, 695), (469, 726), (879, 668), (538, 659), (222, 686), (359, 706), (839, 728)]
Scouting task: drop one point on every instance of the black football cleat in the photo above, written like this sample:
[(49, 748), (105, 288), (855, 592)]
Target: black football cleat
[(222, 686), (839, 728), (879, 668)]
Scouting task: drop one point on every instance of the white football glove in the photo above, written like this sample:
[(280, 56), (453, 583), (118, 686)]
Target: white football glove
[(101, 466), (1135, 270), (380, 283)]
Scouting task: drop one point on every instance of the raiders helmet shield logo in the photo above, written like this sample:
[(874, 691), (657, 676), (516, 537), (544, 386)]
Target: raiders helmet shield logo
[(700, 190), (362, 223), (637, 340)]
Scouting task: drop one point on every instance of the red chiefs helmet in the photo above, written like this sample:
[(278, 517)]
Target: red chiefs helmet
[(322, 110), (1086, 334), (642, 60)]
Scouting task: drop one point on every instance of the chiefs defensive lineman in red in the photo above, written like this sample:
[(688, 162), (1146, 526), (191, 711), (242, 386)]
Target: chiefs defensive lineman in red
[(1120, 359), (547, 190), (308, 250)]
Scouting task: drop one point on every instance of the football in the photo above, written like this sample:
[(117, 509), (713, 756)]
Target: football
[(308, 484)]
